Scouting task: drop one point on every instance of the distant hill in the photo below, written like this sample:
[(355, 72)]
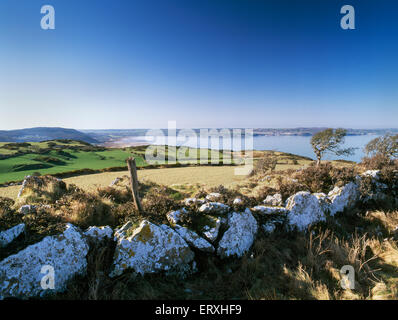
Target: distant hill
[(42, 134)]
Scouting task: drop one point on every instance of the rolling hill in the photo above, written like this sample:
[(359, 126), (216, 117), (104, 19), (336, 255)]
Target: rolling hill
[(43, 133)]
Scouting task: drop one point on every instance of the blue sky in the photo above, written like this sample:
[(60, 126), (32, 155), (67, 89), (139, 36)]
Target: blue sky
[(208, 63)]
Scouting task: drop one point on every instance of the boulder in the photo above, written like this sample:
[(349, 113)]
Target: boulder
[(7, 236), (374, 174), (304, 209), (237, 201), (99, 233), (193, 201), (214, 208), (343, 198), (21, 274), (150, 248), (267, 210), (212, 227), (275, 200), (214, 196), (193, 239), (174, 216), (324, 201), (239, 237)]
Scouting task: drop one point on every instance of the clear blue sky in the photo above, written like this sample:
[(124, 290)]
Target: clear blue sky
[(203, 63)]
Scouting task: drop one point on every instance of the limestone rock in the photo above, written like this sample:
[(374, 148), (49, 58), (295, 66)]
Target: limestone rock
[(193, 239), (267, 210), (193, 201), (7, 236), (99, 233), (20, 274), (275, 200), (239, 237), (214, 196), (324, 201), (174, 216), (150, 248), (237, 201), (211, 230), (343, 198), (214, 208), (304, 209)]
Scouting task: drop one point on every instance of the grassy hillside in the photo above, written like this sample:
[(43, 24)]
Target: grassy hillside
[(44, 133), (18, 160), (54, 157)]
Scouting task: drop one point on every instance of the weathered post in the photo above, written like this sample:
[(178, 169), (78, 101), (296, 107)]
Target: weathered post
[(134, 182)]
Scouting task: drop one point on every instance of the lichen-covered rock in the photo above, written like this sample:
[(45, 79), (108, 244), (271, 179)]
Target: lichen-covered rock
[(343, 198), (150, 248), (214, 208), (239, 237), (375, 174), (237, 201), (27, 209), (304, 210), (214, 196), (193, 201), (275, 200), (211, 229), (7, 236), (174, 216), (21, 274), (324, 201), (99, 233), (193, 239), (267, 210)]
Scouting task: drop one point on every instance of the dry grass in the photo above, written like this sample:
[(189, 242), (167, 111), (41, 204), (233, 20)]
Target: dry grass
[(206, 175)]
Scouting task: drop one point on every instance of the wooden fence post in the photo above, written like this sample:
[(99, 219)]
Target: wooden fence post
[(134, 183)]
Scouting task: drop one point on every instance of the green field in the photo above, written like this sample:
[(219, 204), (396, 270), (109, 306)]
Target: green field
[(58, 158), (66, 156)]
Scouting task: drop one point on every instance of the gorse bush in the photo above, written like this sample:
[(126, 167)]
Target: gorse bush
[(377, 162), (84, 209), (324, 177), (265, 165)]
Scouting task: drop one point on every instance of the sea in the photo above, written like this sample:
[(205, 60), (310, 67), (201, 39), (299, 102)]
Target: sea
[(299, 145)]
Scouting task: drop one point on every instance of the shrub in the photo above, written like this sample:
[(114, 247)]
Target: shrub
[(324, 177), (264, 165), (157, 202), (288, 188), (42, 189), (376, 162), (117, 195), (84, 209)]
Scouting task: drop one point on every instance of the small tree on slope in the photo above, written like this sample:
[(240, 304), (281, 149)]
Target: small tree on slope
[(329, 140)]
